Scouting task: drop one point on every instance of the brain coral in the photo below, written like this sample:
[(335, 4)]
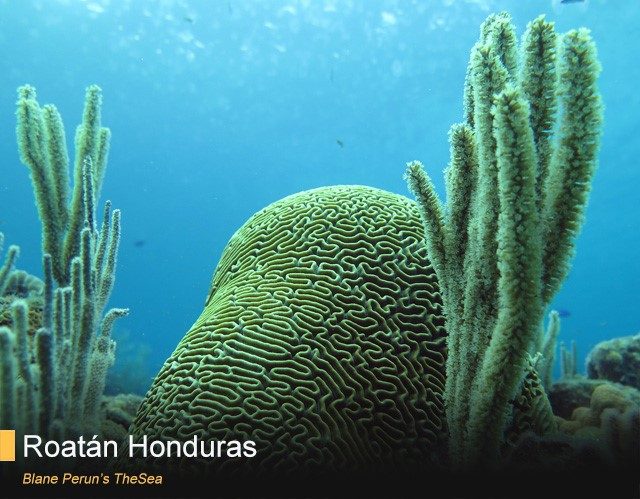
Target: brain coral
[(322, 339), (617, 360)]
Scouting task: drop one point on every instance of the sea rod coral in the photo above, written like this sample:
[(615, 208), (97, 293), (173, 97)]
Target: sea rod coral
[(53, 384), (517, 187)]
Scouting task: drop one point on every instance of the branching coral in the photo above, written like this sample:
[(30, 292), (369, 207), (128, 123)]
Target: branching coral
[(42, 146), (568, 361), (517, 187), (547, 347), (53, 384)]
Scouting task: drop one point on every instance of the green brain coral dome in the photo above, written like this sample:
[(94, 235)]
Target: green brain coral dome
[(322, 339)]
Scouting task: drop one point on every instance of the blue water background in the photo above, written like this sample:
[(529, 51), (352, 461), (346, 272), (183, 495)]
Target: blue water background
[(218, 108)]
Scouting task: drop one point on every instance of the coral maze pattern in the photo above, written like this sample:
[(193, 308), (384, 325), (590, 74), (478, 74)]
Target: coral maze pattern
[(322, 339)]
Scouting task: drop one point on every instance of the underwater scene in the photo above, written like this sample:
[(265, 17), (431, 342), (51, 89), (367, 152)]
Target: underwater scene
[(319, 248)]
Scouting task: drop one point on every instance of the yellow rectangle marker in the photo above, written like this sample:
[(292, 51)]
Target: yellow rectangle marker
[(7, 445)]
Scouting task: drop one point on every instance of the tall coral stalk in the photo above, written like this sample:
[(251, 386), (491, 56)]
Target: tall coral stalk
[(43, 149), (516, 200), (62, 371)]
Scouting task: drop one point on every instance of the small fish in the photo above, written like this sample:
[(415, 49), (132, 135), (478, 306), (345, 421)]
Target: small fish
[(188, 19), (563, 313), (571, 1), (340, 143), (139, 243)]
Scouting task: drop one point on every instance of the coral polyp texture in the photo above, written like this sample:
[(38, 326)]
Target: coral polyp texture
[(55, 343), (322, 340), (517, 187)]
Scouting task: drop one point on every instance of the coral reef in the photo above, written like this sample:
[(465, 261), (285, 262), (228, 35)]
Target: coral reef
[(119, 411), (35, 310), (19, 284), (313, 300), (601, 436), (52, 381), (321, 339), (601, 413), (616, 360), (517, 186), (611, 422), (568, 394)]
